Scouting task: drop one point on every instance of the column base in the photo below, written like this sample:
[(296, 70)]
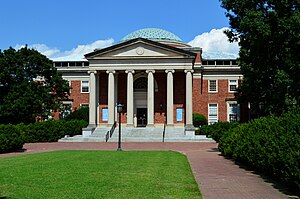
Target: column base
[(91, 126), (189, 127), (130, 125), (150, 126), (170, 125)]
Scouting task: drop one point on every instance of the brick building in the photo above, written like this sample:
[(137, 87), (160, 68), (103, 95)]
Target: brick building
[(158, 78)]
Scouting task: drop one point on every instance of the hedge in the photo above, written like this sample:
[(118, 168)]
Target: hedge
[(217, 130), (199, 120), (270, 144), (79, 114), (51, 131), (10, 138)]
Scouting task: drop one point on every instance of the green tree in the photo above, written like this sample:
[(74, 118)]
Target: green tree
[(30, 86), (268, 32)]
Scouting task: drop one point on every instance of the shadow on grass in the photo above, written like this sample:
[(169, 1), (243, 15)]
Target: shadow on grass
[(291, 192)]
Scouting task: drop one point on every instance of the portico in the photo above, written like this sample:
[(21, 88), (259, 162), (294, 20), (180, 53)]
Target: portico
[(141, 74)]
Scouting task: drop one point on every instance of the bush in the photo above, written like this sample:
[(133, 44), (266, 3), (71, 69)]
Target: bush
[(10, 138), (52, 130), (217, 130), (79, 114), (199, 120), (270, 144)]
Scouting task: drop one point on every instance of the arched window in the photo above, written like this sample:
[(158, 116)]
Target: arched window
[(140, 85)]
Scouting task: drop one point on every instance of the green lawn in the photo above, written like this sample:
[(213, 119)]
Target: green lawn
[(98, 174)]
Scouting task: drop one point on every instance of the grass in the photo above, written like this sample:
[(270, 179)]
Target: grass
[(98, 174)]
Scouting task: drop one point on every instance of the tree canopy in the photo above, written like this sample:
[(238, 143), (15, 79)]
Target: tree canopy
[(268, 32), (30, 86)]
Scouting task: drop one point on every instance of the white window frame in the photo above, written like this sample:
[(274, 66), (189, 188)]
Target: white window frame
[(82, 86), (233, 84), (209, 82), (229, 111), (212, 120)]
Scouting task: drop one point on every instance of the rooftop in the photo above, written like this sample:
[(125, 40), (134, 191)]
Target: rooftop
[(155, 34)]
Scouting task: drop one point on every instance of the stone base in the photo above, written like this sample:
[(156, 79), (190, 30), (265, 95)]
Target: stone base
[(189, 128), (86, 132)]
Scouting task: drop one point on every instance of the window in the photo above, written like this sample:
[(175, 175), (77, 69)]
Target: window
[(84, 86), (233, 112), (212, 86), (212, 113), (233, 84)]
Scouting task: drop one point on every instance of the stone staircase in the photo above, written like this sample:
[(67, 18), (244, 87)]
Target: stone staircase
[(148, 134)]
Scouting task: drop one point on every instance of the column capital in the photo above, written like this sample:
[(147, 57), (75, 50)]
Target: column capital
[(189, 70), (111, 71), (168, 71), (92, 71), (150, 71), (129, 71)]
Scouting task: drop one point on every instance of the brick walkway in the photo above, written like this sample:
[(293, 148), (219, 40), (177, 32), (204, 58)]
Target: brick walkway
[(217, 177)]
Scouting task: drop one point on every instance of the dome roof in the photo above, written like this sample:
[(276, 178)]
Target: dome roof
[(155, 34)]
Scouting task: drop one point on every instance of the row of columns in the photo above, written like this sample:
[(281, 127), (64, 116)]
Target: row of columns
[(150, 97)]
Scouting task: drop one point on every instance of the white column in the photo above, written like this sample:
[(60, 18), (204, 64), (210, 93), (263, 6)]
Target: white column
[(92, 102), (97, 97), (111, 97), (116, 96), (130, 97), (170, 112), (150, 100), (189, 99)]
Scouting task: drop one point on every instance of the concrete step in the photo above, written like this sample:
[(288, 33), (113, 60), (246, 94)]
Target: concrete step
[(172, 134)]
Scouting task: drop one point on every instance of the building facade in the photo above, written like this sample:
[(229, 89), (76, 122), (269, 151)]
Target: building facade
[(158, 78)]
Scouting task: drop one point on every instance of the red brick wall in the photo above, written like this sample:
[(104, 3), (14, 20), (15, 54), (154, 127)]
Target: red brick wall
[(102, 95), (122, 95), (77, 96), (201, 100), (160, 98), (179, 94)]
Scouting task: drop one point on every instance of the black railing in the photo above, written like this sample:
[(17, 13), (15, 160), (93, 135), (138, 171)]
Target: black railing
[(164, 133), (110, 132)]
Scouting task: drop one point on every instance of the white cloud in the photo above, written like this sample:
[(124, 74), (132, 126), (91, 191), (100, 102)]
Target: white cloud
[(75, 54), (215, 45)]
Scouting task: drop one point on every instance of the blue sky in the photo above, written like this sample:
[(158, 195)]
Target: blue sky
[(58, 28)]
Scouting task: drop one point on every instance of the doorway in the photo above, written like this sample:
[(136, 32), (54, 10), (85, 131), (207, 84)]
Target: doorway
[(141, 114)]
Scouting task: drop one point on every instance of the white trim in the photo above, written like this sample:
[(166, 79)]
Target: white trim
[(210, 91), (212, 120), (81, 86), (85, 104)]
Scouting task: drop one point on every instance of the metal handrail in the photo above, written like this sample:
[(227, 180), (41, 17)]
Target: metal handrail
[(112, 129), (164, 132), (110, 132)]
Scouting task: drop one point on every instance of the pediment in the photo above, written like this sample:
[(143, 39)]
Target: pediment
[(138, 49)]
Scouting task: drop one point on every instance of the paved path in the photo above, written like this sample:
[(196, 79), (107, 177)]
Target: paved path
[(216, 176)]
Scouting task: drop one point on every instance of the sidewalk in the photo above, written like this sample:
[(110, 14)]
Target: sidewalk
[(217, 177)]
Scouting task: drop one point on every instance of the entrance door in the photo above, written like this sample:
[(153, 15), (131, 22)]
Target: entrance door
[(141, 114)]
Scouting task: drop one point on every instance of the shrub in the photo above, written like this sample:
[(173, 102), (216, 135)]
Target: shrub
[(10, 138), (79, 114), (199, 120), (52, 130), (217, 130), (270, 144)]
